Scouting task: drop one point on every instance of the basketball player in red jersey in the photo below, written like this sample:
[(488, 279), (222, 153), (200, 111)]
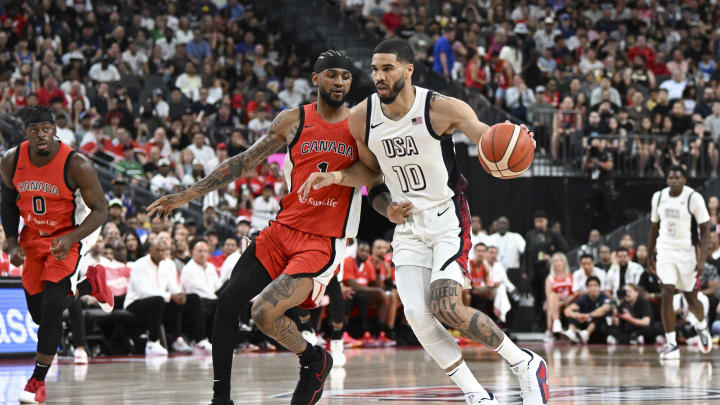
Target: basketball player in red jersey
[(50, 186), (291, 261)]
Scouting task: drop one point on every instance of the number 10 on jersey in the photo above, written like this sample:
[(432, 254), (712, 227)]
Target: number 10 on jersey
[(410, 177)]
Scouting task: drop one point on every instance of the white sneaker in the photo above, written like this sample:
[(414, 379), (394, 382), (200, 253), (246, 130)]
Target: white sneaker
[(704, 341), (81, 356), (310, 337), (641, 340), (571, 335), (557, 326), (670, 352), (245, 327), (204, 345), (611, 340), (180, 346), (473, 398), (320, 340), (155, 349), (584, 336), (533, 377), (549, 337), (337, 351)]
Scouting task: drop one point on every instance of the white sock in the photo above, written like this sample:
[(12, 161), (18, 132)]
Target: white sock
[(670, 338), (510, 352), (701, 325), (464, 378)]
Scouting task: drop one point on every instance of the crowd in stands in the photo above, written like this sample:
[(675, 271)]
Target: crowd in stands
[(636, 79)]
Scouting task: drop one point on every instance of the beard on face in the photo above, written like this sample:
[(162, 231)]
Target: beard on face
[(329, 100), (393, 93)]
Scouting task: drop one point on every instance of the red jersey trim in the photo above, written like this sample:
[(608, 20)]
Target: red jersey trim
[(299, 130)]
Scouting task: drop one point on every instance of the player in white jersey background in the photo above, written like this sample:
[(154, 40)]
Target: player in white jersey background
[(678, 264), (404, 133)]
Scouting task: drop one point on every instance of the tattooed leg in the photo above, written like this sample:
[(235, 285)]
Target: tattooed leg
[(268, 311), (447, 306)]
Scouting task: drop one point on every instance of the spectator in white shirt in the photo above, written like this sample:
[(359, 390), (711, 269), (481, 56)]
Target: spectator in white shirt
[(291, 97), (65, 134), (136, 59), (104, 72), (675, 86), (499, 282), (231, 260), (260, 124), (154, 294), (183, 33), (203, 152), (587, 269), (545, 38), (265, 208), (510, 244), (590, 63), (477, 234), (201, 277), (164, 181), (621, 273), (161, 109), (189, 82)]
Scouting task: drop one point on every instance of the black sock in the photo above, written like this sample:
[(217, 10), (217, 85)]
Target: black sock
[(306, 325), (336, 334), (41, 371), (84, 288), (308, 355)]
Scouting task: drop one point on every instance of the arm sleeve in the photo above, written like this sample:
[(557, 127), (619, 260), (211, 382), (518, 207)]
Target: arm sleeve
[(9, 211), (654, 215), (698, 208)]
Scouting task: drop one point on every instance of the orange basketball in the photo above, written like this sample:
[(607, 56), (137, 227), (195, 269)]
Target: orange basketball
[(506, 150)]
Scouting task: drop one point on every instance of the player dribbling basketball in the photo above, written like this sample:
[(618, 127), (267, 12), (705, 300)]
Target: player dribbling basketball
[(404, 133)]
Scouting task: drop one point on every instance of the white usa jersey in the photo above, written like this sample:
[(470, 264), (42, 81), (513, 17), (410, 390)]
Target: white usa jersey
[(675, 217), (418, 164)]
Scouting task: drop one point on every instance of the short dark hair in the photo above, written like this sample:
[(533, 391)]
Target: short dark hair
[(677, 168), (587, 256), (196, 241), (622, 249), (592, 278), (363, 242), (480, 244), (401, 49)]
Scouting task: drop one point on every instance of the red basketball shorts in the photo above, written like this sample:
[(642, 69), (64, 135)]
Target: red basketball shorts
[(284, 250), (40, 265)]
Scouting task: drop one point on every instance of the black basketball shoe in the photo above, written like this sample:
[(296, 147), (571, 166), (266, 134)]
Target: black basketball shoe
[(216, 401), (312, 379)]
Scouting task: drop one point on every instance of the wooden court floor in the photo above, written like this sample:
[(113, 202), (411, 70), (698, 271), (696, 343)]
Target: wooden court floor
[(578, 375)]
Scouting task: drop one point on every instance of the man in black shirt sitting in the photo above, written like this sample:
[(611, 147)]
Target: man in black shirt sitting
[(633, 320), (587, 314)]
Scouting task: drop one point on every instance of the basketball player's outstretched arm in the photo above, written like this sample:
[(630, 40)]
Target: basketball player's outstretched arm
[(9, 210), (282, 130), (82, 176)]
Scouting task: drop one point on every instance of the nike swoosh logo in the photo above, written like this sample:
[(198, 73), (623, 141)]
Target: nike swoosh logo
[(440, 213), (374, 126), (309, 126)]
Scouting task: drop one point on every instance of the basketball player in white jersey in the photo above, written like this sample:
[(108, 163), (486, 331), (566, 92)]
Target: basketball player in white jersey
[(678, 265), (404, 134)]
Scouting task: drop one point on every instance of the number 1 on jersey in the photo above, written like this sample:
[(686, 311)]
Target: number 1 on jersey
[(323, 167)]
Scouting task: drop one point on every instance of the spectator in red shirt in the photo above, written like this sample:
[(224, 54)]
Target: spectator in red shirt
[(253, 104), (393, 18), (50, 90), (229, 246), (479, 296), (658, 66), (643, 50), (360, 275)]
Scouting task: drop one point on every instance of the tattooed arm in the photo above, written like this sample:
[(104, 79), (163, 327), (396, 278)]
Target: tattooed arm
[(284, 127)]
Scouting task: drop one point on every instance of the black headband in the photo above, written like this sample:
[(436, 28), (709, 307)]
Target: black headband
[(37, 117), (332, 62)]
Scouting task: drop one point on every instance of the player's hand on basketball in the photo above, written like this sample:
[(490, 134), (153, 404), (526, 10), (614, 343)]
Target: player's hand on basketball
[(316, 181), (531, 133), (60, 246), (17, 256), (397, 213), (163, 207)]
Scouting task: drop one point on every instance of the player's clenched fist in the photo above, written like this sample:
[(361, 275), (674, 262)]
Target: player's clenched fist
[(17, 256)]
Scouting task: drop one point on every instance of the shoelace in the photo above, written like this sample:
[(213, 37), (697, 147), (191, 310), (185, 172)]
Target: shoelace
[(522, 375)]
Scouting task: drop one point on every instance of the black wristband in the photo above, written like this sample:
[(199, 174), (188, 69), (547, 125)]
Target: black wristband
[(376, 191)]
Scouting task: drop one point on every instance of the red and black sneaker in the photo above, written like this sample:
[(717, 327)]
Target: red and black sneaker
[(34, 392), (309, 388), (100, 290)]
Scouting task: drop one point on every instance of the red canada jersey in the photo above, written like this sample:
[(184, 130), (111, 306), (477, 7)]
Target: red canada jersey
[(562, 286), (332, 211), (46, 201)]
